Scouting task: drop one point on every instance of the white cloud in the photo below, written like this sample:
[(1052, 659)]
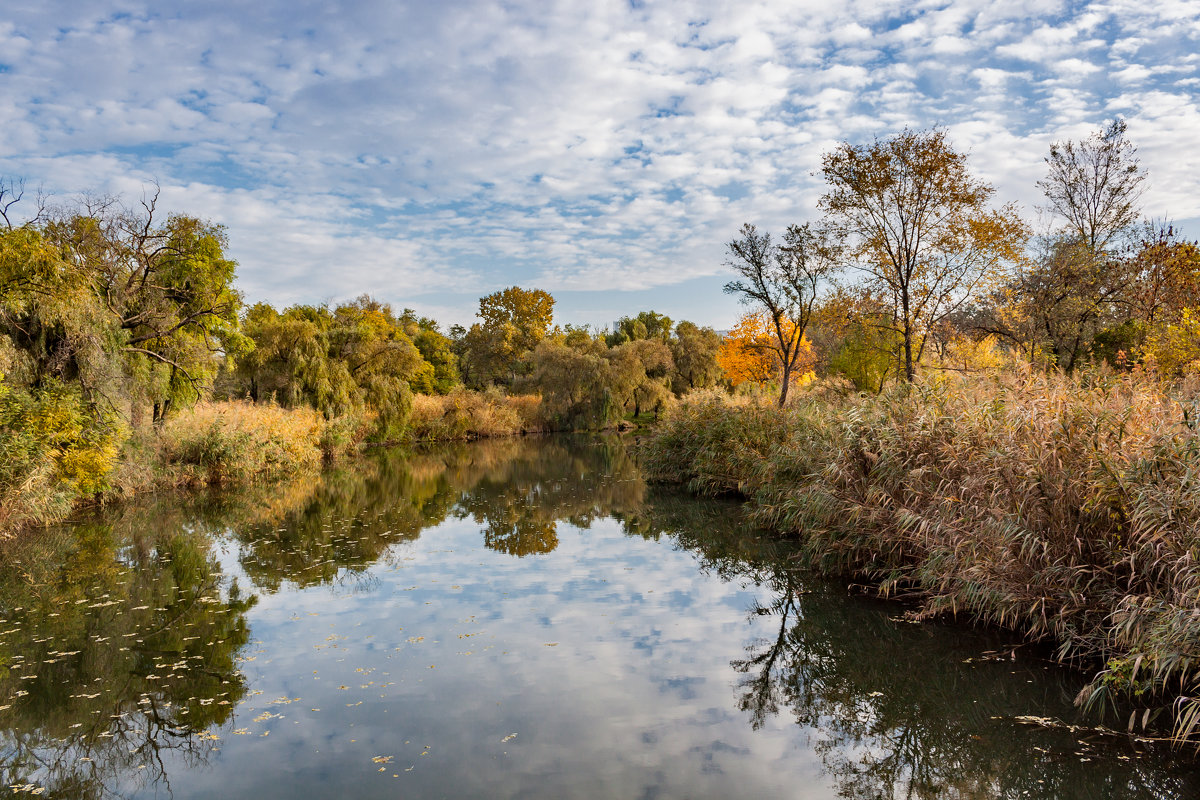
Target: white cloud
[(411, 148)]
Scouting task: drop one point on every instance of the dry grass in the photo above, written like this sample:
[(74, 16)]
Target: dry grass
[(463, 414), (239, 441), (1065, 508)]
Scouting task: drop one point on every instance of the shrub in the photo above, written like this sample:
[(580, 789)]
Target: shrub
[(237, 441), (53, 451), (464, 414)]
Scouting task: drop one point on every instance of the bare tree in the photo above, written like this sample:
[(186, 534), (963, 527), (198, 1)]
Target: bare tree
[(785, 281), (1095, 185)]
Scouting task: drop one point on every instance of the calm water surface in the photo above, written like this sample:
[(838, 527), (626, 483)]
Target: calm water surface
[(524, 618)]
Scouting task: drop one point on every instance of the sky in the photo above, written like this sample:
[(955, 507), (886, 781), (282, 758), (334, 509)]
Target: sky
[(432, 152)]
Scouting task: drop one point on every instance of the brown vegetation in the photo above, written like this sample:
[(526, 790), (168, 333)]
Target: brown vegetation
[(1067, 508)]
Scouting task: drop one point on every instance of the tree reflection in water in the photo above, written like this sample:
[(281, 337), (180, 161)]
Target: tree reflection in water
[(120, 645), (902, 710)]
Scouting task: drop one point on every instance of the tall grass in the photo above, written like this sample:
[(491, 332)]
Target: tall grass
[(1067, 508), (237, 441), (463, 414)]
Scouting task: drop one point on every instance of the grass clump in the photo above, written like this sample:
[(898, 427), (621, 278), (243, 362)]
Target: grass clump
[(1066, 508)]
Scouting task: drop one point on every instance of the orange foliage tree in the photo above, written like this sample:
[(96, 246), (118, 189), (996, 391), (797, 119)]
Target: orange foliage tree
[(749, 354)]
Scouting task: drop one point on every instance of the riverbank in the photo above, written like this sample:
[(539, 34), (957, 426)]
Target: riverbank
[(1064, 508), (56, 460)]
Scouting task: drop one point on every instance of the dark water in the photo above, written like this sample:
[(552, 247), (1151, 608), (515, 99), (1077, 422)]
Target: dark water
[(523, 618)]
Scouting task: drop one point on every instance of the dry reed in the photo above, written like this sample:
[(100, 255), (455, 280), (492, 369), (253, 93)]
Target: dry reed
[(1067, 508)]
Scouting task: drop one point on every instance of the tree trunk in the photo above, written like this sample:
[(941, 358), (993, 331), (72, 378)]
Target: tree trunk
[(787, 381)]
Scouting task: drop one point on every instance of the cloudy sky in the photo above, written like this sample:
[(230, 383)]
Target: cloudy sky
[(430, 153)]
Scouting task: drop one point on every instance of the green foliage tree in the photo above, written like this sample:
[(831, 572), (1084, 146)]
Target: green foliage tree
[(576, 383), (646, 325), (641, 371), (694, 352), (439, 372), (353, 359)]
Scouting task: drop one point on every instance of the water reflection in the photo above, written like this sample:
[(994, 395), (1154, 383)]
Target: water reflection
[(114, 651), (122, 645)]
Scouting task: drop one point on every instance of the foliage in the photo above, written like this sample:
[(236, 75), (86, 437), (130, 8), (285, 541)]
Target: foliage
[(439, 372), (750, 353), (646, 325), (576, 382), (695, 352), (867, 354), (52, 454), (355, 359), (919, 227), (514, 320)]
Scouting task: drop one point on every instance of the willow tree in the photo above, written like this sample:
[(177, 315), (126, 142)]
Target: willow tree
[(918, 223), (784, 282)]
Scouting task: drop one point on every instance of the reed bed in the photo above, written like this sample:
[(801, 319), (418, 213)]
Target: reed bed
[(1066, 508), (225, 442), (463, 414)]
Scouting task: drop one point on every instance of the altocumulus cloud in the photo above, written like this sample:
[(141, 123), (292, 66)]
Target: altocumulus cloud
[(432, 152)]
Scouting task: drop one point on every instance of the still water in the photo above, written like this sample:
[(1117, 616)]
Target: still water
[(520, 618)]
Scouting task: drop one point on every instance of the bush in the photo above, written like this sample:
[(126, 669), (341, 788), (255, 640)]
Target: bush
[(464, 414), (53, 452), (238, 441)]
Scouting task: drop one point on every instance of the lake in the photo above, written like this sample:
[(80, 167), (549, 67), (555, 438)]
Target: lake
[(519, 618)]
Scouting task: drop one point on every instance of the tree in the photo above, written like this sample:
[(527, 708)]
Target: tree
[(646, 325), (641, 374), (576, 383), (514, 320), (1095, 185), (919, 227), (749, 353), (784, 281), (694, 351), (439, 373), (131, 309)]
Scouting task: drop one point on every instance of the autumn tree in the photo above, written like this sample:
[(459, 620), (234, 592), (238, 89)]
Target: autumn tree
[(784, 282), (1093, 286), (513, 321), (919, 226), (749, 353), (1094, 186)]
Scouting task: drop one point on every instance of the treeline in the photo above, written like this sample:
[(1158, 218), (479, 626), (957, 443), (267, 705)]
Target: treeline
[(362, 358), (128, 359)]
